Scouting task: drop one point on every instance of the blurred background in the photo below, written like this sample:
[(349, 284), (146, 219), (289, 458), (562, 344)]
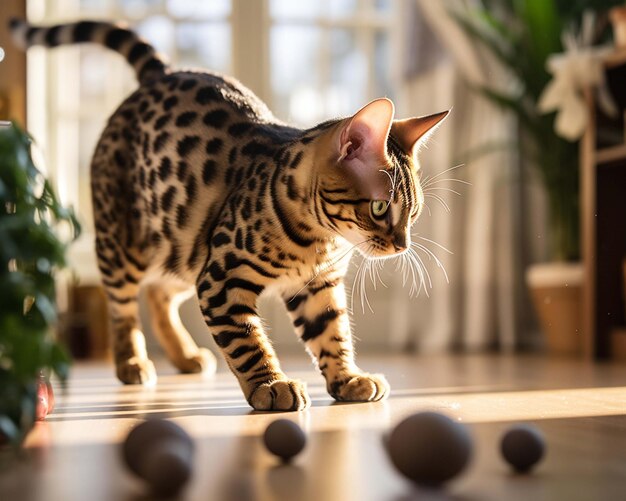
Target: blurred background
[(505, 192)]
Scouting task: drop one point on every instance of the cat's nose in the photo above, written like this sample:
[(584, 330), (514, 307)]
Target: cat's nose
[(400, 242)]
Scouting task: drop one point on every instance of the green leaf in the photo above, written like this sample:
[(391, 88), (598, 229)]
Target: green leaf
[(31, 252)]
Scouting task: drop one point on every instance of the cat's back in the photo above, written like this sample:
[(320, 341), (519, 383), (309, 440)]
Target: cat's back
[(170, 156), (196, 92)]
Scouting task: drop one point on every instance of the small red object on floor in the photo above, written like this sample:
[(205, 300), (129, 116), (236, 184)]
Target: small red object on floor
[(45, 398)]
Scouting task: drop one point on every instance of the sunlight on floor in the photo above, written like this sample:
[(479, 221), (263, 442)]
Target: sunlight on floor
[(214, 406)]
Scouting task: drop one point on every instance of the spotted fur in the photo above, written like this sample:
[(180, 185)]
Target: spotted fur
[(198, 189)]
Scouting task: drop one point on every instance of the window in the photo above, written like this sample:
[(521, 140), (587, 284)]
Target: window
[(308, 59), (328, 57)]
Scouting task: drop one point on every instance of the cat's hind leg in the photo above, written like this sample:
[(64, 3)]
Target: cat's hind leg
[(121, 284), (164, 299)]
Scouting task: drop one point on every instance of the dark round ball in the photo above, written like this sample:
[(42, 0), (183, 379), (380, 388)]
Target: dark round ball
[(429, 448), (142, 438), (168, 466), (522, 446), (284, 438)]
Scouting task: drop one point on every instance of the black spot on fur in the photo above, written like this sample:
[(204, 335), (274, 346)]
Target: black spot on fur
[(188, 84), (251, 362), (154, 203), (296, 160), (173, 260), (148, 116), (318, 325), (295, 302), (181, 215), (160, 141), (204, 286), (156, 94), (232, 155), (170, 102), (209, 170), (216, 118), (165, 169), (214, 146), (186, 119), (168, 198), (187, 145), (207, 94), (239, 239), (216, 272), (165, 228), (292, 192), (229, 176), (191, 188), (250, 247), (239, 176), (119, 159), (162, 121), (246, 210), (181, 172), (220, 239), (239, 129), (255, 148)]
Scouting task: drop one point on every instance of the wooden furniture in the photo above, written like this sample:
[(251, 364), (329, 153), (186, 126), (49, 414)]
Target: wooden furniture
[(13, 67), (603, 220)]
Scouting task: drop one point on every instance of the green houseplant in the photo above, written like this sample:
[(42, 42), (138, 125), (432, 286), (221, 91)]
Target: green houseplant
[(31, 250), (521, 35)]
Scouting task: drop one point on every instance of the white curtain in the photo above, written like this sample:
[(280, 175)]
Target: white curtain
[(484, 304)]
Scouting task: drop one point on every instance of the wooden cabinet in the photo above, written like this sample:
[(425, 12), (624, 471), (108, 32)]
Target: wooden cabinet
[(603, 220)]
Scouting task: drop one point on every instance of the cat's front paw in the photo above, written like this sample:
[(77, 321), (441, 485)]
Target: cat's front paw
[(281, 395), (203, 362), (360, 388), (136, 371)]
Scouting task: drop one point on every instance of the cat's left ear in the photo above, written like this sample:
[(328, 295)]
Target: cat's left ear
[(361, 148), (412, 132), (365, 135)]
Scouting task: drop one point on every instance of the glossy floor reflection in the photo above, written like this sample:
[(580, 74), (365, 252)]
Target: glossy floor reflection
[(581, 408)]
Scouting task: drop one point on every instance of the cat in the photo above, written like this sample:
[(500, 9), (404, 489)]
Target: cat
[(198, 189)]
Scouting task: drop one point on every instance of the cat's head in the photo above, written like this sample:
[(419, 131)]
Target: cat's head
[(370, 192)]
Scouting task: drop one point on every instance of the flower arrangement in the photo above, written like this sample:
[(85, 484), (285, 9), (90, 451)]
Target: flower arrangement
[(522, 35)]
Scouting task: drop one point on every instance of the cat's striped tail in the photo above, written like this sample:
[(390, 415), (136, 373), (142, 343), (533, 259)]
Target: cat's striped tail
[(148, 64)]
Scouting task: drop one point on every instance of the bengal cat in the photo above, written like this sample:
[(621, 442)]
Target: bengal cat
[(198, 189)]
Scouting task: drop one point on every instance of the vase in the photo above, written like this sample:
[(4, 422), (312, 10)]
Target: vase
[(556, 291)]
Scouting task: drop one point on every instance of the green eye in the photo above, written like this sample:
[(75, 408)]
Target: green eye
[(378, 208)]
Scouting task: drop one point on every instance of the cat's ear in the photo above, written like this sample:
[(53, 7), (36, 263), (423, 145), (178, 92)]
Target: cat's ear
[(362, 147), (365, 134), (412, 132)]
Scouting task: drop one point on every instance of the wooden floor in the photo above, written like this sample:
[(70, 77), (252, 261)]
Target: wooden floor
[(581, 409)]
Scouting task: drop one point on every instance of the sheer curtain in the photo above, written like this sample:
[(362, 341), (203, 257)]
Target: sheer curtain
[(483, 304)]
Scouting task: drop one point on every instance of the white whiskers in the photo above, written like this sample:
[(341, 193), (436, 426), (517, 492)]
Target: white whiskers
[(427, 181), (411, 264)]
